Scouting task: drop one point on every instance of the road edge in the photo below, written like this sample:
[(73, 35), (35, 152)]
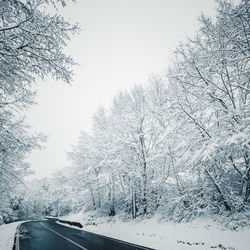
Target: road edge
[(122, 241), (16, 245), (107, 237)]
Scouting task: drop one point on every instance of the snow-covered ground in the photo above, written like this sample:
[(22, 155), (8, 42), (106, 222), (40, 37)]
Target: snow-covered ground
[(202, 233), (7, 235)]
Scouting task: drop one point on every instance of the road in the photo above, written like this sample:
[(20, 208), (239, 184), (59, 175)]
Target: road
[(48, 235)]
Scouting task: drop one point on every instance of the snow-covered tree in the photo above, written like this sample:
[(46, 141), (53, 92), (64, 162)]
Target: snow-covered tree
[(32, 38), (180, 144)]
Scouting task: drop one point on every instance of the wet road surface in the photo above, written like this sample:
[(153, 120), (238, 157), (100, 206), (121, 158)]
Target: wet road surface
[(48, 235)]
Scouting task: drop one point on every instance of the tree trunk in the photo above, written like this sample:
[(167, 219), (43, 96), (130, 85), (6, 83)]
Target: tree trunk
[(247, 192), (112, 198), (219, 191), (144, 175), (92, 197), (133, 201)]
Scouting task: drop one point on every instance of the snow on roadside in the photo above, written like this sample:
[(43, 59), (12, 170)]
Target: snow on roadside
[(202, 233), (67, 225), (7, 235)]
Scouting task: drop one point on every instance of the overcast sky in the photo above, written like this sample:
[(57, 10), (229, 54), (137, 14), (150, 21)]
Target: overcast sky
[(121, 44)]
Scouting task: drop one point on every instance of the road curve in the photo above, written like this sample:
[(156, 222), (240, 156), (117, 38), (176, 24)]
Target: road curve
[(48, 235)]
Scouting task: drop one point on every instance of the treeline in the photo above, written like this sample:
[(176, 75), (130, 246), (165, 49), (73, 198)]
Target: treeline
[(180, 144)]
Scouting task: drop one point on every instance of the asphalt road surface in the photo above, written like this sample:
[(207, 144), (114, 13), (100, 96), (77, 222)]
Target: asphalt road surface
[(48, 235)]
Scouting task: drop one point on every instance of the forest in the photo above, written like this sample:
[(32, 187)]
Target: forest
[(177, 145)]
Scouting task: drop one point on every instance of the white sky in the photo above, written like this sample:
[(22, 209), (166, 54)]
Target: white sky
[(122, 43)]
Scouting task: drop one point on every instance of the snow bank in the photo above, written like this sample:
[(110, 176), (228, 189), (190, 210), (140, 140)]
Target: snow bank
[(7, 235), (202, 233)]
